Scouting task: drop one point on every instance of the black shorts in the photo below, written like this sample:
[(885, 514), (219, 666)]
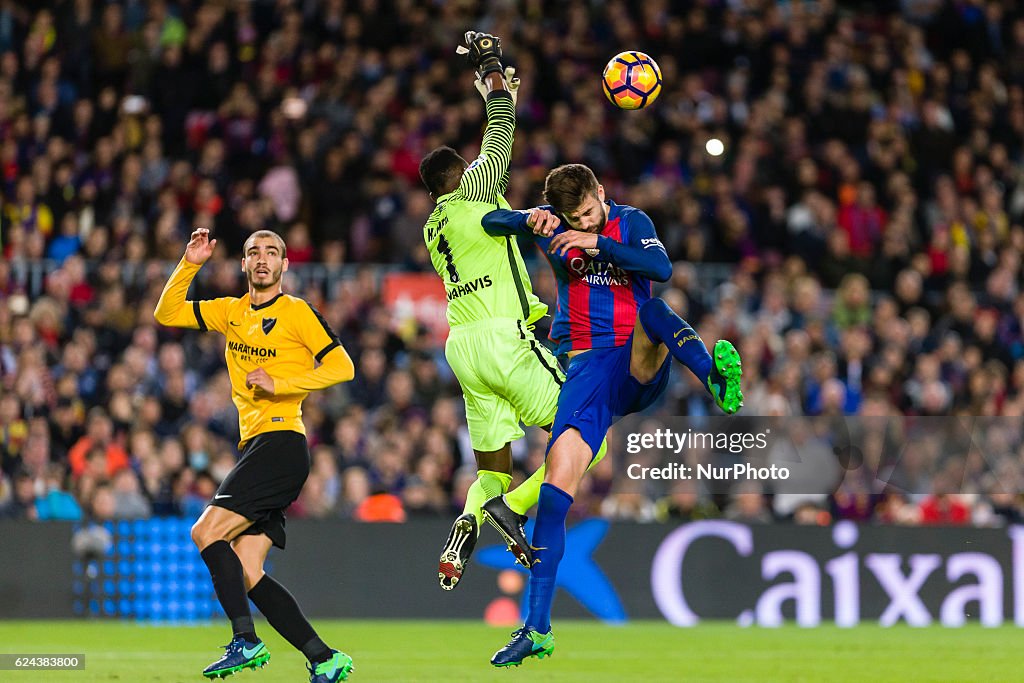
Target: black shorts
[(268, 477)]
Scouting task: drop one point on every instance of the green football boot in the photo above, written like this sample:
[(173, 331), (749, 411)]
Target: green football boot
[(724, 378), (526, 642), (335, 669), (239, 654)]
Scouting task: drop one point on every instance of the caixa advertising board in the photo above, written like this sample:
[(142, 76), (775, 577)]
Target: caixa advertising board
[(765, 575), (706, 570), (761, 575)]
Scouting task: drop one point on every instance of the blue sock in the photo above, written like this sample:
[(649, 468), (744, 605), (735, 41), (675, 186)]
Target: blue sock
[(549, 538), (663, 326)]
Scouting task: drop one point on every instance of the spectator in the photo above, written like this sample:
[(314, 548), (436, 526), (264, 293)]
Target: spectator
[(22, 504), (57, 503), (748, 505), (129, 502), (685, 504), (355, 489), (380, 506), (945, 509), (99, 441), (103, 504)]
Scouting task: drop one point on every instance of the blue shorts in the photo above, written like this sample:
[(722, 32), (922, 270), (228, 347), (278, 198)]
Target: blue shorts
[(598, 390)]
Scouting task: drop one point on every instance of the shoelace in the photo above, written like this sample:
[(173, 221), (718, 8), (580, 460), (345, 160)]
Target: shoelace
[(516, 634), (228, 651)]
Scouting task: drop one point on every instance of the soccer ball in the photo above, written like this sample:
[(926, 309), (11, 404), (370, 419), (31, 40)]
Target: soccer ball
[(631, 80)]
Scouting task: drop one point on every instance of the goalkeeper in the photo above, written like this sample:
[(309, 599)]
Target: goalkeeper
[(507, 376)]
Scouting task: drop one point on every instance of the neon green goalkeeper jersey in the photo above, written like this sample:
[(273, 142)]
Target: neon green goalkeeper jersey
[(484, 277)]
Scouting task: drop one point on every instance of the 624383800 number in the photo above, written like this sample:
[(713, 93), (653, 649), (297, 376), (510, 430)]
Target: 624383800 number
[(23, 662)]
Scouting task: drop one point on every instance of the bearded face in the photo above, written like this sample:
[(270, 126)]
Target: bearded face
[(591, 215), (264, 263)]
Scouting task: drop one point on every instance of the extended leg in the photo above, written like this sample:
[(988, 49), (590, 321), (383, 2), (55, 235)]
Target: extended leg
[(493, 477), (567, 462), (658, 327), (282, 611), (212, 534)]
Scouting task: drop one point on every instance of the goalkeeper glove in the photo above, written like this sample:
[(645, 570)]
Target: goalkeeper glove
[(510, 80), (484, 53)]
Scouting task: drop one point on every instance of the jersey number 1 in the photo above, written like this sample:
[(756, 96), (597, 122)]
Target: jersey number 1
[(445, 249)]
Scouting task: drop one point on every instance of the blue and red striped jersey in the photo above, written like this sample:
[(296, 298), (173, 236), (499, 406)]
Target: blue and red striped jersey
[(598, 294)]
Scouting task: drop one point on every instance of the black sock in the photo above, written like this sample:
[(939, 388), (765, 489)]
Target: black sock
[(284, 614), (229, 582)]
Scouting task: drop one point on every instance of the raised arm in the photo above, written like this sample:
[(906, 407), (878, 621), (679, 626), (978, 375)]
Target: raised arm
[(174, 309), (486, 178)]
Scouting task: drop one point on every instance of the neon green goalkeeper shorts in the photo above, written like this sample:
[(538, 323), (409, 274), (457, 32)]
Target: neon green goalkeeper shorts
[(507, 377)]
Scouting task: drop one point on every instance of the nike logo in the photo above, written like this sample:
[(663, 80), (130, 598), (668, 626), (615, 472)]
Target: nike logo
[(543, 643), (222, 495), (234, 324), (678, 332), (249, 653)]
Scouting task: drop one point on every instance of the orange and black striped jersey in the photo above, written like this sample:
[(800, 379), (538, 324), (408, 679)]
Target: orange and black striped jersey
[(285, 336)]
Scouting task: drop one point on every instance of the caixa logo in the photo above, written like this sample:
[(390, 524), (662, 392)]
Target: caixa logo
[(962, 585), (578, 573)]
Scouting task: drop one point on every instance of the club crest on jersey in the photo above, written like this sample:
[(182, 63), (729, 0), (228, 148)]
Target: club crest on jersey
[(268, 324)]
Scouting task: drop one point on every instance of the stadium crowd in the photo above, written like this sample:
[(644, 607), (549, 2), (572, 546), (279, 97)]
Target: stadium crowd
[(869, 203)]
